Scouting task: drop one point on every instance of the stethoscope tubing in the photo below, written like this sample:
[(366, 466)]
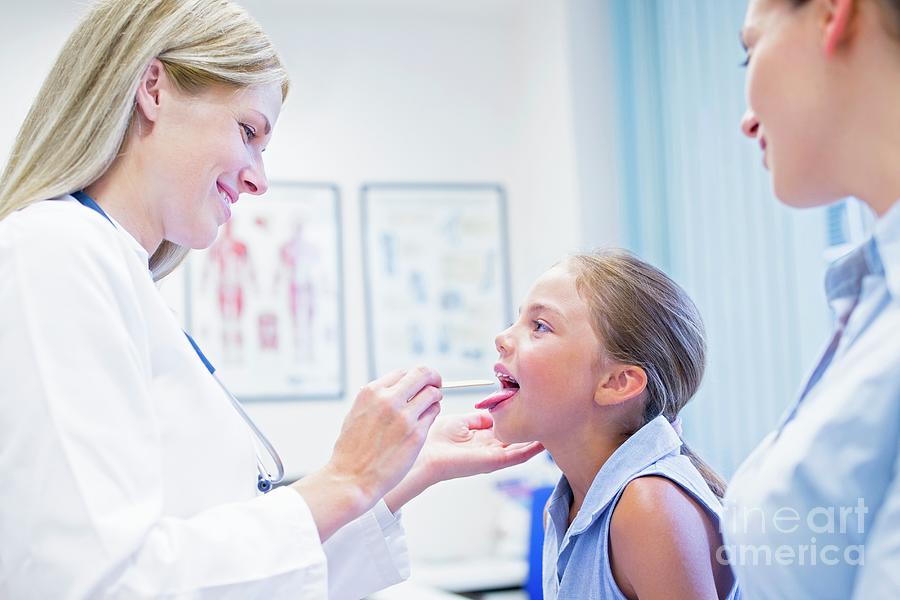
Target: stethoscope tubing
[(265, 480)]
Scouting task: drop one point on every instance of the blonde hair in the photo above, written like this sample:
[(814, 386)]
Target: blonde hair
[(78, 123), (644, 318)]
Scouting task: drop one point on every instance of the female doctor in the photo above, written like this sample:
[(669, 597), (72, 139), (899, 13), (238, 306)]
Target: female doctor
[(126, 471), (814, 512)]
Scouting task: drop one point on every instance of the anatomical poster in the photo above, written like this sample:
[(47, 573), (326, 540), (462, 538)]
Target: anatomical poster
[(436, 276), (264, 301)]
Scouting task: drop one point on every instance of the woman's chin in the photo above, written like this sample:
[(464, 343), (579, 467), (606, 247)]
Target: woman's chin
[(200, 240), (801, 194)]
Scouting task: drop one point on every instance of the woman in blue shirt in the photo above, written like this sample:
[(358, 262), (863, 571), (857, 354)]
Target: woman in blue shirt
[(814, 512)]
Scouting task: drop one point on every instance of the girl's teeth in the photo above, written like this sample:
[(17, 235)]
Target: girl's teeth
[(504, 377)]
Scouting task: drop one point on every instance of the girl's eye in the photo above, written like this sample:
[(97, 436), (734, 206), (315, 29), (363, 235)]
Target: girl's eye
[(746, 61), (249, 132), (540, 327)]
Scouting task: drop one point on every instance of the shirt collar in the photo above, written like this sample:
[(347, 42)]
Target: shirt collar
[(135, 245), (650, 443), (887, 239), (878, 256), (843, 279), (139, 250)]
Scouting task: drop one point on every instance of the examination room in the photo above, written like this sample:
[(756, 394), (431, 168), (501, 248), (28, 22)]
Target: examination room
[(433, 299)]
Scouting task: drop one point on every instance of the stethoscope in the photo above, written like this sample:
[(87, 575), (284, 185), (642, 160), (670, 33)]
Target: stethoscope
[(265, 480)]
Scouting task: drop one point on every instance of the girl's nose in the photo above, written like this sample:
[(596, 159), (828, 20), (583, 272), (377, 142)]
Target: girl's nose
[(750, 124), (502, 342)]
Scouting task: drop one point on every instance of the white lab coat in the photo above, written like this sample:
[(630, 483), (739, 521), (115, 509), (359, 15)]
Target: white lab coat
[(126, 472)]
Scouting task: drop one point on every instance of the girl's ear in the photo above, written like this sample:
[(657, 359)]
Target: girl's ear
[(619, 384), (838, 14)]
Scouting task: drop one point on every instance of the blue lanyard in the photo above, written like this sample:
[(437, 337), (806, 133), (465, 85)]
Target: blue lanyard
[(264, 480), (92, 204)]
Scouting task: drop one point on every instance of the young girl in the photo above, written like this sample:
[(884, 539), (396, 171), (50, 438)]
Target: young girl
[(605, 353)]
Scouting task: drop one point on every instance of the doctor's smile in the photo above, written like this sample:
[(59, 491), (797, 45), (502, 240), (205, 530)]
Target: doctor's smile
[(228, 197)]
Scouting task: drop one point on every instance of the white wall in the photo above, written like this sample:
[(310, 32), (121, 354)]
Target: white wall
[(410, 90), (595, 121), (415, 92)]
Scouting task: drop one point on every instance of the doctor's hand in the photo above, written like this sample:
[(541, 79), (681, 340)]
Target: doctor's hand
[(379, 442), (459, 446)]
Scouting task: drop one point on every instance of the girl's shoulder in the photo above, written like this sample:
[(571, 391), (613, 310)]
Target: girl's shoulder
[(678, 470), (660, 520), (657, 497)]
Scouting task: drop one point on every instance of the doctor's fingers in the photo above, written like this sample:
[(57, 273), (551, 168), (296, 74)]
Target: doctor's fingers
[(418, 405), (414, 381), (381, 389), (478, 420), (387, 380), (427, 418)]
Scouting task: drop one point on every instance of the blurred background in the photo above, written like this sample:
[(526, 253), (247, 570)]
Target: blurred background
[(589, 123)]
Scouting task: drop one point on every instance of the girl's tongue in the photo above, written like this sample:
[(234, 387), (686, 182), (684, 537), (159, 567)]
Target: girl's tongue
[(492, 401)]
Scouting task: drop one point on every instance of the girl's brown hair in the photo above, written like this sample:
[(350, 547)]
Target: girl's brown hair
[(644, 318)]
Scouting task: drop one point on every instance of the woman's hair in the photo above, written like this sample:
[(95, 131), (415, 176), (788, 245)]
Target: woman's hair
[(78, 123), (644, 318)]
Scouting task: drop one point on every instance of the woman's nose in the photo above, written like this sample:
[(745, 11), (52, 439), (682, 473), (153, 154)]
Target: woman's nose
[(750, 124), (252, 178)]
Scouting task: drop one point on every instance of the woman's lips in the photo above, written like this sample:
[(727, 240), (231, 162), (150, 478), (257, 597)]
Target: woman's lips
[(230, 194), (226, 209)]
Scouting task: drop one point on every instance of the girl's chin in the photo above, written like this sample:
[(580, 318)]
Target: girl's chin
[(506, 439), (508, 434)]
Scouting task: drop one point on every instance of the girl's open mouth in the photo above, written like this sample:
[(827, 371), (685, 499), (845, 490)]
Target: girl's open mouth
[(509, 388)]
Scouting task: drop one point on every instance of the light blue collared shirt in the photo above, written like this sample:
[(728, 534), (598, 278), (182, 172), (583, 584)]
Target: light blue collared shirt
[(814, 511), (576, 563)]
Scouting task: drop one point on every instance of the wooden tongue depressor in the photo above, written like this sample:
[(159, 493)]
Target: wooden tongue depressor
[(463, 383)]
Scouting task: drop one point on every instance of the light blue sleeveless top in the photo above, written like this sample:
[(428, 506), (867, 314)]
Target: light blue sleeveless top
[(576, 562)]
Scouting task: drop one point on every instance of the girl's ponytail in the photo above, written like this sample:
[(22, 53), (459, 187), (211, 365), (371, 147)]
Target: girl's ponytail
[(644, 318), (713, 480)]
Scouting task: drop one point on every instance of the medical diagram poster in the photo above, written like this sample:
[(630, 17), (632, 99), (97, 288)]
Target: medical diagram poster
[(436, 276), (265, 300)]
